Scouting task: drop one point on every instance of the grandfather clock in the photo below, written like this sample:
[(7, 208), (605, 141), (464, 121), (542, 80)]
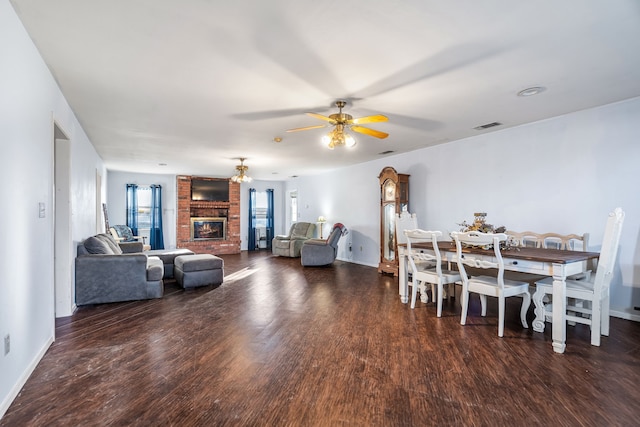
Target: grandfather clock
[(394, 198)]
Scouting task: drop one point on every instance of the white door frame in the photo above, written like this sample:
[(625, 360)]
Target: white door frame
[(63, 242), (288, 216)]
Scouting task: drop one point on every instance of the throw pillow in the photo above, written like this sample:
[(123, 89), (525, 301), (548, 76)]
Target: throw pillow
[(109, 240), (96, 246), (124, 232)]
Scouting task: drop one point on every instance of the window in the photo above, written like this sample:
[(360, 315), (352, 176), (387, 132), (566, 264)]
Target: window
[(293, 206), (144, 210), (261, 209)]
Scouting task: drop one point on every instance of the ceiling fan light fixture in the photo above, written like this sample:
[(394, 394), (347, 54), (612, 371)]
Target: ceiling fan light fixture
[(349, 140), (241, 176), (337, 137), (343, 122), (327, 140)]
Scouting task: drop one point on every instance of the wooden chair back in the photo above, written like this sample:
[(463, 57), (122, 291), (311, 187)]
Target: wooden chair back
[(565, 242), (417, 257), (608, 253), (486, 240), (525, 239), (405, 221)]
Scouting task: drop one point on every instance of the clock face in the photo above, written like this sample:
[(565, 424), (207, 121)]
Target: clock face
[(389, 191)]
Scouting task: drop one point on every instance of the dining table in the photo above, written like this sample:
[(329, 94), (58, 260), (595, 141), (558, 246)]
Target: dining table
[(555, 263)]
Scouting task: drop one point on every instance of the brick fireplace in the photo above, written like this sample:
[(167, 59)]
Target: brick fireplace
[(216, 224)]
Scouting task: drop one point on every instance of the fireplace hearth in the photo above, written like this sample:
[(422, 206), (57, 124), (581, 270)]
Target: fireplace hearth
[(208, 228)]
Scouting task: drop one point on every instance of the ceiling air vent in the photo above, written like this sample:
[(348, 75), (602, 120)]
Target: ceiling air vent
[(386, 152), (487, 126)]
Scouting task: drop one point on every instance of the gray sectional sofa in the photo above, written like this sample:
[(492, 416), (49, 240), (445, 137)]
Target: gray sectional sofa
[(110, 272)]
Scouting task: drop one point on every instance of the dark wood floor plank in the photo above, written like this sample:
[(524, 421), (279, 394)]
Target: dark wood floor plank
[(279, 344)]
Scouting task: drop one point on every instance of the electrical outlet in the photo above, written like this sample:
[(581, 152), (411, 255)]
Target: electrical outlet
[(7, 344)]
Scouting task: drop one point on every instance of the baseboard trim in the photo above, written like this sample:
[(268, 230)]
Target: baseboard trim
[(4, 407), (357, 262), (624, 315)]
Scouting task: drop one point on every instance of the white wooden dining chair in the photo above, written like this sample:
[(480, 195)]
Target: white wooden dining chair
[(565, 242), (494, 286), (595, 290), (426, 267), (568, 242), (524, 239), (405, 221)]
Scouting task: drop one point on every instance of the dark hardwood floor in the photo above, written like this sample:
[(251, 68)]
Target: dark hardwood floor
[(281, 345)]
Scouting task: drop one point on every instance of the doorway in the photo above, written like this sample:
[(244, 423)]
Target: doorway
[(260, 219), (63, 247), (292, 211)]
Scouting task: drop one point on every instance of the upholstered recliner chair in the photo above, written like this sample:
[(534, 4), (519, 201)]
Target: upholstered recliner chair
[(316, 252), (291, 244)]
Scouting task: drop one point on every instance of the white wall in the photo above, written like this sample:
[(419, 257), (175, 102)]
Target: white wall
[(117, 200), (30, 102), (562, 175)]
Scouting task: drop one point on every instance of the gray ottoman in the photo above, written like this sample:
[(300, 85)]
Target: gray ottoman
[(168, 256), (191, 271)]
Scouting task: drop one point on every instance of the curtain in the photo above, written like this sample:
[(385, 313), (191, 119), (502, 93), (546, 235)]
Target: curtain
[(132, 208), (251, 244), (269, 217), (156, 239)]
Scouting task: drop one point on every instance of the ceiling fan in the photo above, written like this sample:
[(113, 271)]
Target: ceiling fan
[(343, 122)]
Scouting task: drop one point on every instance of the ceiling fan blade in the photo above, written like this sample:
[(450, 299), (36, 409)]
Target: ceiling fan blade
[(369, 132), (284, 43), (274, 114), (321, 117), (445, 61), (306, 128), (410, 121), (369, 119)]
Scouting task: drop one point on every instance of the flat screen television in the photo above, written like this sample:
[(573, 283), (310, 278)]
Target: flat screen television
[(210, 190)]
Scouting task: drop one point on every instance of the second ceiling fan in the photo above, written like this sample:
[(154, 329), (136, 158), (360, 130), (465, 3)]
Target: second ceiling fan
[(343, 122)]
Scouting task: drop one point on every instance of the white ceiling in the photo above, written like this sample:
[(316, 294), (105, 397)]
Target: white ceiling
[(196, 84)]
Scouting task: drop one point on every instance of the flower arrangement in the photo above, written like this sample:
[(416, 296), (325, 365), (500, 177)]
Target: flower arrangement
[(480, 224)]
